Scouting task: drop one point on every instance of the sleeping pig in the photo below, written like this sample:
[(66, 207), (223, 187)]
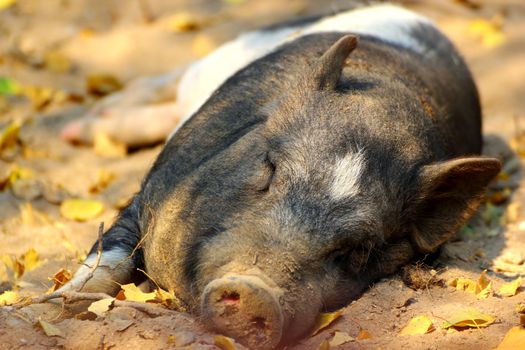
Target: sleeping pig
[(316, 158)]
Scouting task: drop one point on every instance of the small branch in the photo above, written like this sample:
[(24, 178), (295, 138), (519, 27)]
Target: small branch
[(63, 294), (97, 261)]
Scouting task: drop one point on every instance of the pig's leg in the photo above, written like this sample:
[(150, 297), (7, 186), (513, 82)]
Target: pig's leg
[(121, 257), (144, 112)]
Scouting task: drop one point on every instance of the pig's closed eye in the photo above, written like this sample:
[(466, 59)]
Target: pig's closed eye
[(265, 175)]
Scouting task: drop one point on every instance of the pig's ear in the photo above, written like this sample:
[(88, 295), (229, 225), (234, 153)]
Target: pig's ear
[(328, 68), (450, 193)]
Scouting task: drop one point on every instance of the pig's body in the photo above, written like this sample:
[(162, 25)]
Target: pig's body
[(305, 177)]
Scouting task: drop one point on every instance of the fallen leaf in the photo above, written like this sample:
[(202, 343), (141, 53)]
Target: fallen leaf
[(59, 279), (102, 84), (104, 146), (482, 288), (501, 266), (468, 318), (41, 97), (513, 257), (9, 135), (133, 293), (27, 189), (166, 298), (57, 62), (340, 338), (31, 260), (14, 265), (105, 177), (464, 284), (101, 307), (326, 319), (488, 31), (49, 329), (224, 343), (364, 334), (202, 45), (9, 298), (485, 292), (417, 325), (183, 22), (8, 87), (514, 339), (6, 3), (81, 209), (511, 288), (325, 345)]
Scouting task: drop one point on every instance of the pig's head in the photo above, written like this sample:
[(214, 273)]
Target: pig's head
[(298, 215)]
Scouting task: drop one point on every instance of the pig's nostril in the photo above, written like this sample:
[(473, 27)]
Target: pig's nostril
[(245, 308), (259, 323), (230, 297)]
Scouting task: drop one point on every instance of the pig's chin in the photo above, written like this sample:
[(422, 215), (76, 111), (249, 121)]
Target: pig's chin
[(257, 313)]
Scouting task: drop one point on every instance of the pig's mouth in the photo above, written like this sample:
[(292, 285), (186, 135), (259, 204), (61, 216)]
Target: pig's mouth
[(245, 308)]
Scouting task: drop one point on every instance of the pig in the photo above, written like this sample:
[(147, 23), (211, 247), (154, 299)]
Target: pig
[(336, 151)]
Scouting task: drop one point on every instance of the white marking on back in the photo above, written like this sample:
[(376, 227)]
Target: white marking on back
[(387, 22), (346, 174)]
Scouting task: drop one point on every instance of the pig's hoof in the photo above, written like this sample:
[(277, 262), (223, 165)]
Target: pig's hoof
[(245, 308)]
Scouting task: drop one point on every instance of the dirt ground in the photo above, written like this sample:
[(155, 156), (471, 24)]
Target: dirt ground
[(54, 45)]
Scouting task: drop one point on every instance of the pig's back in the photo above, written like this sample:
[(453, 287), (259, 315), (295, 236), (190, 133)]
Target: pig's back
[(387, 23), (421, 59)]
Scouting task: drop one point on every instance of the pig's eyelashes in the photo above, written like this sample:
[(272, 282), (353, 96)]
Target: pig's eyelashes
[(267, 175)]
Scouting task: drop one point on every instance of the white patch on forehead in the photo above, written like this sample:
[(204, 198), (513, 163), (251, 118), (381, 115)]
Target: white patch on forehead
[(387, 22), (346, 174)]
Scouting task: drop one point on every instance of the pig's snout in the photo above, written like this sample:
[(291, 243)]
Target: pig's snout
[(245, 308)]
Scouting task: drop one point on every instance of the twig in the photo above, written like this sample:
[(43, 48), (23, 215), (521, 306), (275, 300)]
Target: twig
[(63, 294)]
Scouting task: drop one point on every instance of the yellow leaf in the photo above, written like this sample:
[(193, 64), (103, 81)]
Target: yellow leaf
[(183, 22), (81, 209), (104, 146), (325, 320), (482, 288), (9, 134), (469, 318), (102, 84), (133, 293), (60, 278), (101, 307), (485, 293), (514, 339), (105, 177), (202, 45), (464, 284), (325, 345), (224, 343), (14, 265), (489, 32), (49, 329), (6, 3), (31, 260), (57, 62), (9, 297), (364, 334), (340, 338), (417, 325), (511, 288)]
